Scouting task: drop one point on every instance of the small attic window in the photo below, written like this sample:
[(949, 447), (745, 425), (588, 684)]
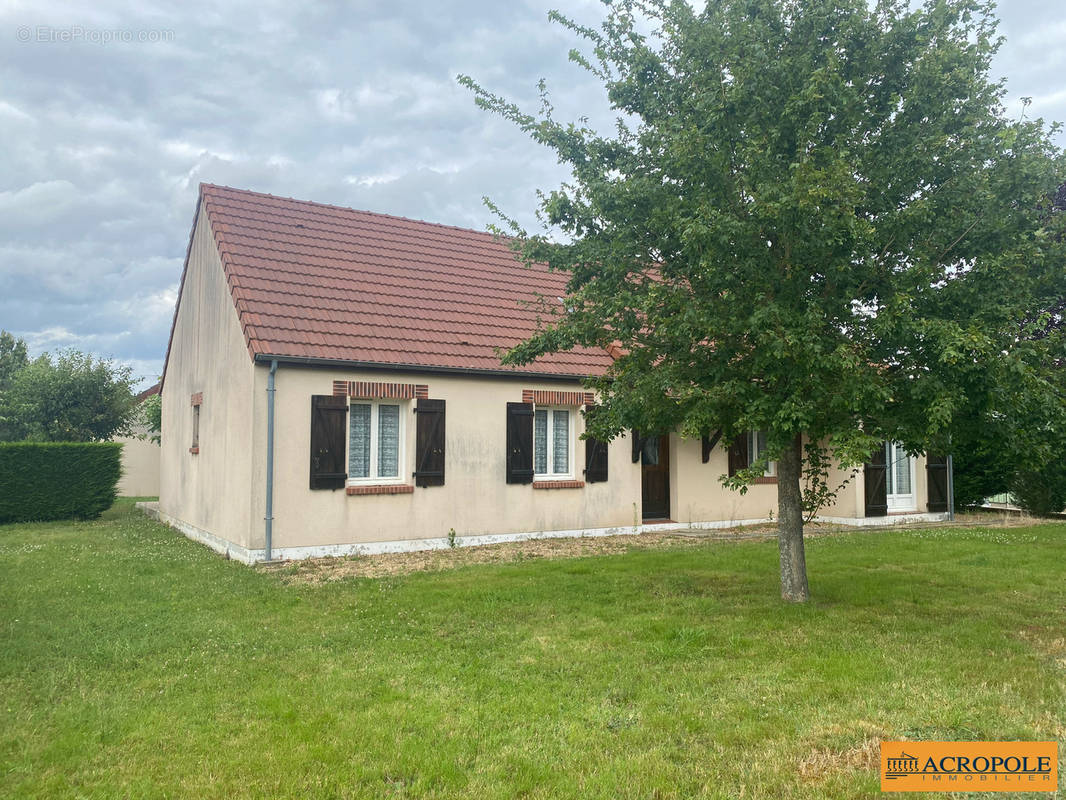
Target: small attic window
[(196, 401)]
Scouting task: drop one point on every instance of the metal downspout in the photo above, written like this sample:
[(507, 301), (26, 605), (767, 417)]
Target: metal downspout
[(270, 460), (951, 489)]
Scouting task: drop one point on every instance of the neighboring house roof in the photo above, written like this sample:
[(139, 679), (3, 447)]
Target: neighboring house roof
[(148, 392), (332, 284)]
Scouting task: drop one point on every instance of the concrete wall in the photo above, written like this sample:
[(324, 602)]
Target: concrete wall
[(475, 500), (140, 467), (212, 490)]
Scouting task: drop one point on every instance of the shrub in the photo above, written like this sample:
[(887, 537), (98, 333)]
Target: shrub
[(1041, 492), (57, 480)]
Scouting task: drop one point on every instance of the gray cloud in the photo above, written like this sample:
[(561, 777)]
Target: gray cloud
[(354, 104)]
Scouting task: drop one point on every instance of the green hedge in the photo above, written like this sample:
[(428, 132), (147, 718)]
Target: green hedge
[(57, 480)]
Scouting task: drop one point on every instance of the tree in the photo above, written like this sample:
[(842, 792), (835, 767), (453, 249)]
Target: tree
[(71, 398), (812, 219), (12, 357), (150, 414), (1012, 439)]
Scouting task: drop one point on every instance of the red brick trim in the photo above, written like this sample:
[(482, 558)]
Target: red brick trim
[(194, 450), (766, 479), (388, 488), (197, 399), (558, 484), (553, 398), (371, 389)]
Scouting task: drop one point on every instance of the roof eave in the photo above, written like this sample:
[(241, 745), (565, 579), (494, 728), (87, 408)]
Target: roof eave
[(181, 286), (306, 361)]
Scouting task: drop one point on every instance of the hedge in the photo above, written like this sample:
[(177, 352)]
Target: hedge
[(57, 480)]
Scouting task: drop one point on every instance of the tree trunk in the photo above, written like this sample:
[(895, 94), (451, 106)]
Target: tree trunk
[(790, 524)]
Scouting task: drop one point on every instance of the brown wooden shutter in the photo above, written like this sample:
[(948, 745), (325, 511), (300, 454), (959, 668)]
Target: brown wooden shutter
[(595, 456), (936, 472), (328, 452), (738, 455), (519, 442), (429, 443), (638, 444), (875, 474), (708, 443), (595, 460)]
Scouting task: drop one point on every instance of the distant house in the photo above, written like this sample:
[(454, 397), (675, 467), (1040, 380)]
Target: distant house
[(360, 351), (140, 458)]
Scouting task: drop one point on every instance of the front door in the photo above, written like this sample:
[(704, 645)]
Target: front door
[(655, 477)]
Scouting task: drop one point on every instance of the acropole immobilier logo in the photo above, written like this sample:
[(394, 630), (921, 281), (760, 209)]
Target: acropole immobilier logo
[(969, 766)]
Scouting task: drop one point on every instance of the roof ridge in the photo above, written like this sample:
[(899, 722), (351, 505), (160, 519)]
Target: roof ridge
[(313, 204)]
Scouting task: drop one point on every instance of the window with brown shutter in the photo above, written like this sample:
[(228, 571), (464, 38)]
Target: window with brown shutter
[(738, 454), (595, 456), (595, 460), (708, 443), (876, 486), (519, 442), (936, 471), (429, 444), (638, 444), (328, 424)]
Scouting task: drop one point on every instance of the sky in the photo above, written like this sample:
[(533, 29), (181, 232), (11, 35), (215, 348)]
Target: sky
[(112, 113)]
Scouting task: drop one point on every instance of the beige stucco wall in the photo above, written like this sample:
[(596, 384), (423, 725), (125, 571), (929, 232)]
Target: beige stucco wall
[(140, 467), (211, 491), (475, 500), (851, 500), (697, 494)]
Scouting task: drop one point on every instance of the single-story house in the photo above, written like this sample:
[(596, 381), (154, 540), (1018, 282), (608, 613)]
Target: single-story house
[(333, 386), (140, 457)]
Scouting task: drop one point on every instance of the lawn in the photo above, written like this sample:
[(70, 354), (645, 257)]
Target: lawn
[(134, 663)]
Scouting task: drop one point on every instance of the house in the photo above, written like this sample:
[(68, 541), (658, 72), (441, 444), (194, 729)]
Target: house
[(333, 386), (140, 458)]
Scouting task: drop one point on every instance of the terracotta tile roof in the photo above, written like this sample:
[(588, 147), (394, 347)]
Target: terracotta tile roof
[(154, 389), (324, 282)]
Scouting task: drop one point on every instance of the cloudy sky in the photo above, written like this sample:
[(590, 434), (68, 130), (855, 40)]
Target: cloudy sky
[(356, 104)]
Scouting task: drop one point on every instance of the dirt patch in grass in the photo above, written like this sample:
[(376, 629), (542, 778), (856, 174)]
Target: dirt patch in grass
[(320, 570), (317, 570), (820, 764), (827, 760)]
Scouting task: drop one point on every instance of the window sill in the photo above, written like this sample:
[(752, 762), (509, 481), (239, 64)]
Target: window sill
[(194, 450), (381, 488), (766, 479), (558, 484)]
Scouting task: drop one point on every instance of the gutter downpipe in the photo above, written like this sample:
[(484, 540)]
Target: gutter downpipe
[(951, 489), (270, 459)]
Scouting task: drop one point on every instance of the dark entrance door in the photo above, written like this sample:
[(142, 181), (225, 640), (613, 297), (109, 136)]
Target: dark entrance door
[(655, 477)]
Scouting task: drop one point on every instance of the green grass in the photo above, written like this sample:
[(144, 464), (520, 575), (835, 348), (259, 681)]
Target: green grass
[(135, 663)]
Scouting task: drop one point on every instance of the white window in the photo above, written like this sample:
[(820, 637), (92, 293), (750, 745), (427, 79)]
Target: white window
[(899, 478), (376, 441), (757, 448), (553, 443)]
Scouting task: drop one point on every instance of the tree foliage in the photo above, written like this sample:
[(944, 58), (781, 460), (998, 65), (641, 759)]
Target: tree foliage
[(13, 357), (71, 397), (811, 217), (151, 413), (1012, 438)]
